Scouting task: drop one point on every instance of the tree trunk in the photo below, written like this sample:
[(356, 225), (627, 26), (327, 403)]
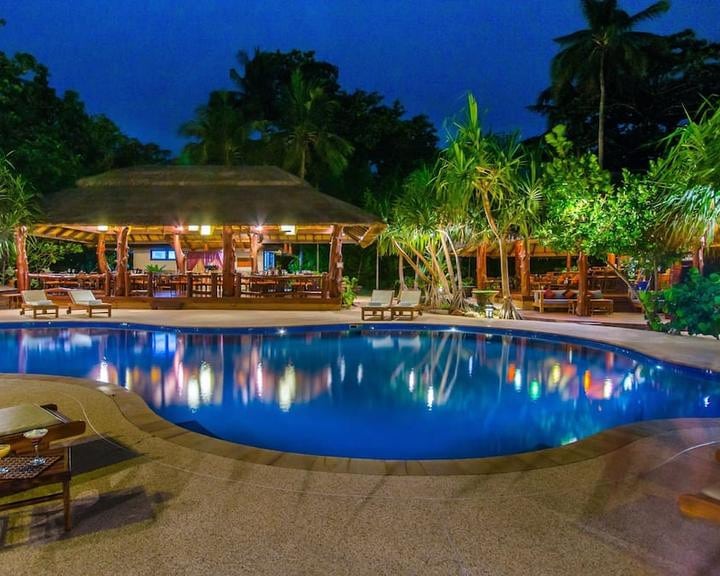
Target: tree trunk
[(228, 272), (21, 262), (581, 309), (521, 250), (401, 272), (481, 266), (254, 248), (699, 256), (121, 269), (601, 113), (180, 259), (335, 275), (100, 251), (508, 310)]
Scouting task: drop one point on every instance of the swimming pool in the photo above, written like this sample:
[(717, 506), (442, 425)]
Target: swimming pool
[(410, 392)]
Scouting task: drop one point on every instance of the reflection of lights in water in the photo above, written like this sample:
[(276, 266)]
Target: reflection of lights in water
[(570, 355), (453, 329), (341, 362), (555, 373), (470, 365), (104, 373), (193, 393), (518, 380), (628, 382), (568, 440), (128, 379), (328, 376), (206, 382), (282, 331), (587, 380), (180, 377), (286, 388), (259, 382), (534, 389), (706, 401), (430, 397), (607, 388), (360, 374), (411, 380)]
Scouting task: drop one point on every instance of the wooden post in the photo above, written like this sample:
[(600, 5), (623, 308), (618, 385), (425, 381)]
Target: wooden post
[(100, 250), (612, 260), (335, 273), (254, 248), (108, 282), (228, 271), (521, 251), (189, 280), (481, 265), (582, 308), (122, 287), (213, 285), (180, 259), (568, 262), (21, 263), (150, 287), (518, 260), (238, 284)]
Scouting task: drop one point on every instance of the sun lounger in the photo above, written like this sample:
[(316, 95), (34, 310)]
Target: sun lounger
[(705, 505), (408, 305), (38, 302), (380, 302), (86, 300)]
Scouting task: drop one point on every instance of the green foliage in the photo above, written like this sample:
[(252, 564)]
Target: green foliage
[(692, 307), (350, 291), (18, 205), (43, 254), (155, 268)]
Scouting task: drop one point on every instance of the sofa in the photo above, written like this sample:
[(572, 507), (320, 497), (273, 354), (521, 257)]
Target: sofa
[(560, 299)]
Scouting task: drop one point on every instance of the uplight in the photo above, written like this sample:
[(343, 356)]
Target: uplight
[(103, 228), (193, 228), (205, 230)]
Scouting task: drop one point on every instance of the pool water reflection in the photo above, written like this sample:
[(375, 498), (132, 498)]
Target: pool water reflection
[(375, 394)]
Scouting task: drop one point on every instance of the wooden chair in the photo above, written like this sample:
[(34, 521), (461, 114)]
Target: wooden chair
[(705, 505), (38, 302), (85, 300), (380, 302), (408, 305)]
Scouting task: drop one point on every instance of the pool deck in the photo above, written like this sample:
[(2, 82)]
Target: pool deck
[(148, 504)]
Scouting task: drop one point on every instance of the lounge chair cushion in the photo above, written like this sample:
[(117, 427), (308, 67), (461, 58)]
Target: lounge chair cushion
[(40, 303), (596, 294), (376, 304)]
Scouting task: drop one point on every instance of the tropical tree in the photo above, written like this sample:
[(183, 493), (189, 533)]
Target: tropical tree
[(484, 170), (305, 129), (610, 45), (18, 210)]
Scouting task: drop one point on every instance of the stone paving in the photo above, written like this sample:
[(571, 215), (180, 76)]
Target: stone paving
[(147, 505)]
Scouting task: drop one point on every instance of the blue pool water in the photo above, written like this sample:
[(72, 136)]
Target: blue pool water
[(409, 393)]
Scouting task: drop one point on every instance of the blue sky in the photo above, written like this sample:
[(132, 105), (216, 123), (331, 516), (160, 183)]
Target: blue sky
[(148, 63)]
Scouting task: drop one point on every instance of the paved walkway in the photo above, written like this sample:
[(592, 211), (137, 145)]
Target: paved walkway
[(158, 508)]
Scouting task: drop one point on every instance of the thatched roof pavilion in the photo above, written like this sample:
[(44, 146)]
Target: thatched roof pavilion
[(157, 202)]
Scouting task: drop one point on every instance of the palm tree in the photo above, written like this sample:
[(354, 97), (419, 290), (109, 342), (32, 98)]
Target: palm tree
[(610, 43), (305, 129), (18, 209), (220, 131)]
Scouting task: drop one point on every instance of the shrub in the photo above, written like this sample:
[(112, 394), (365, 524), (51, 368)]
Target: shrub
[(350, 288), (692, 307)]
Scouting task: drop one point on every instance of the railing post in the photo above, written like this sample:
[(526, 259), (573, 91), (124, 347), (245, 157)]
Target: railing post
[(238, 284), (150, 288), (189, 284), (108, 283), (213, 285)]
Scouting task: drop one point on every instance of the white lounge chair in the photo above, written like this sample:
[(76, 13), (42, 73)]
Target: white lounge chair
[(38, 302), (408, 305), (86, 300), (380, 302)]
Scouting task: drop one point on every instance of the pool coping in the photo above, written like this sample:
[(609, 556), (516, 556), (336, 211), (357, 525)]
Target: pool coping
[(137, 412)]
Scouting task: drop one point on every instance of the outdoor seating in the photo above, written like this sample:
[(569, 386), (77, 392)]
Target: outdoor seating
[(86, 300), (380, 302), (38, 302), (14, 421), (598, 303), (562, 299), (408, 305), (705, 505)]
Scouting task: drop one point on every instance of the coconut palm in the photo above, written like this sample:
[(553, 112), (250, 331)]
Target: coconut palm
[(305, 130), (610, 44), (484, 170), (18, 209)]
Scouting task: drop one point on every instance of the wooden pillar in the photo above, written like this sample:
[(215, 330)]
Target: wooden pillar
[(612, 260), (521, 253), (481, 265), (699, 256), (582, 308), (108, 282), (21, 262), (121, 281), (568, 262), (335, 274), (518, 262), (228, 273), (180, 259), (100, 250), (150, 284), (189, 287), (254, 249)]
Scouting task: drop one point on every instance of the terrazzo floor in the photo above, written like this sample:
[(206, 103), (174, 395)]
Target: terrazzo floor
[(146, 505)]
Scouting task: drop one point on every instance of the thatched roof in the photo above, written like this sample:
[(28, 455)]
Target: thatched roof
[(162, 197)]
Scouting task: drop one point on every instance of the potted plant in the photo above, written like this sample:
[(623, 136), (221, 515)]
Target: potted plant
[(483, 297)]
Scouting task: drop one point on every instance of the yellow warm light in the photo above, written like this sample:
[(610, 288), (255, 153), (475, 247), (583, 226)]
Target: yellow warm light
[(288, 229), (193, 228), (103, 228), (205, 230)]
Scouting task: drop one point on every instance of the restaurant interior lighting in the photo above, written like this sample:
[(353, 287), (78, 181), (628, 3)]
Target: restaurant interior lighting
[(103, 228), (205, 230), (288, 229), (193, 228)]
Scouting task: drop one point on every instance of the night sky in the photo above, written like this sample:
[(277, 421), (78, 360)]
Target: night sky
[(149, 64)]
